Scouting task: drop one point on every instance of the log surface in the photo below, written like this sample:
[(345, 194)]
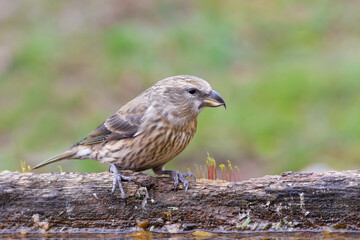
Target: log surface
[(70, 202)]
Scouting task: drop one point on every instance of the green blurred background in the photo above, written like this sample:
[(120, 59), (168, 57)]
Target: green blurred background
[(289, 72)]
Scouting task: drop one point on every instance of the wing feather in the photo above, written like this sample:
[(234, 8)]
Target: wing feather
[(123, 124)]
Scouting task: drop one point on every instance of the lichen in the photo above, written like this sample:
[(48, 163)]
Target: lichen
[(44, 225)]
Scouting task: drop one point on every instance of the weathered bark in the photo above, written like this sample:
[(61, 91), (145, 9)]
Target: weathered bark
[(83, 202)]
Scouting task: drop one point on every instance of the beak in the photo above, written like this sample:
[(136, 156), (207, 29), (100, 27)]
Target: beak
[(213, 100)]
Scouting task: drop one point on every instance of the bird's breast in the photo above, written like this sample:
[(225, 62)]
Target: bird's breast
[(162, 143), (156, 145)]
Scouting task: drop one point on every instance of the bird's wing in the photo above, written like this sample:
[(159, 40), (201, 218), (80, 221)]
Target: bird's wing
[(123, 124)]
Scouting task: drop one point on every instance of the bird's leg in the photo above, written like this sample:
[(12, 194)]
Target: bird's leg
[(118, 177), (176, 175)]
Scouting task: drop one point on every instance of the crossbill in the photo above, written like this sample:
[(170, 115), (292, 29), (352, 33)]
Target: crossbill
[(148, 131)]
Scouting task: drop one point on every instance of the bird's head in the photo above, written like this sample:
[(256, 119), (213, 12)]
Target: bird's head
[(185, 96)]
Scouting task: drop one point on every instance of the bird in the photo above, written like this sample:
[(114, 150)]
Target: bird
[(148, 131)]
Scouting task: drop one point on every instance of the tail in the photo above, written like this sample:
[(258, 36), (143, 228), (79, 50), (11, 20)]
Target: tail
[(66, 155)]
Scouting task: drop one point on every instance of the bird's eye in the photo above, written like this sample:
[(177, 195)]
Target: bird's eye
[(192, 90)]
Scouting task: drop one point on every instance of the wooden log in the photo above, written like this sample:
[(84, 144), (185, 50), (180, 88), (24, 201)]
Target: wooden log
[(73, 202)]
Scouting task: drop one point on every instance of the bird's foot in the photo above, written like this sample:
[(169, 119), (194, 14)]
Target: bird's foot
[(178, 176), (118, 178)]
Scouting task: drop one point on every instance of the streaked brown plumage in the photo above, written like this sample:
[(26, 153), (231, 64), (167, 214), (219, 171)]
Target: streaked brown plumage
[(148, 131)]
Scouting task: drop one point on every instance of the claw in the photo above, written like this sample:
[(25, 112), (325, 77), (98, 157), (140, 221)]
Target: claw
[(117, 180), (176, 175)]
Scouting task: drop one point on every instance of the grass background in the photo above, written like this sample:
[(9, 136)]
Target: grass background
[(288, 70)]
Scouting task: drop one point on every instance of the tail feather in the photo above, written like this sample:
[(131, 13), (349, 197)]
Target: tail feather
[(66, 155)]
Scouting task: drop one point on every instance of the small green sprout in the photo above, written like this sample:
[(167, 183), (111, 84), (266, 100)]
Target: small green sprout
[(24, 168), (211, 164), (197, 170), (230, 170), (208, 168), (222, 166), (246, 222), (238, 172)]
